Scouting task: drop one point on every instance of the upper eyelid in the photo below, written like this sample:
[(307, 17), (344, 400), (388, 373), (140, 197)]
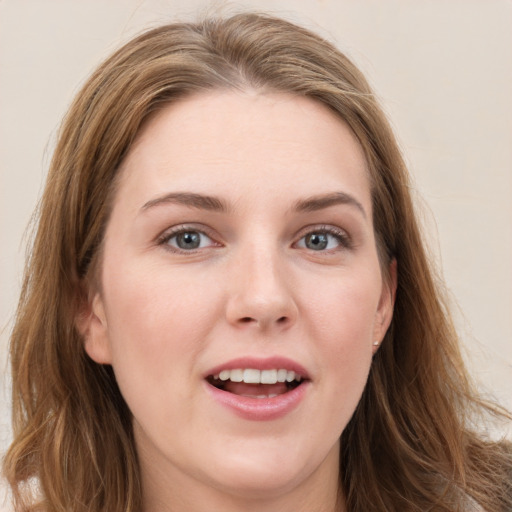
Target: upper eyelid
[(179, 228), (326, 228)]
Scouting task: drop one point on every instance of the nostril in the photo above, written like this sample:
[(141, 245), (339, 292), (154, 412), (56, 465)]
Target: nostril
[(248, 320)]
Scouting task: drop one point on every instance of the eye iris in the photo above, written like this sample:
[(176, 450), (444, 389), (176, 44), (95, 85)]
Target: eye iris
[(188, 240), (316, 241)]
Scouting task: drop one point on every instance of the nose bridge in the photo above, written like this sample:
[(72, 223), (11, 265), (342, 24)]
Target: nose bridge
[(260, 294)]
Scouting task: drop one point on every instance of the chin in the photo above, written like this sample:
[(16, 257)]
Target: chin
[(271, 473), (252, 481)]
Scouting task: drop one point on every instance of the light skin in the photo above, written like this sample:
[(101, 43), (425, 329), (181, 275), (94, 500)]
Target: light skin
[(241, 227)]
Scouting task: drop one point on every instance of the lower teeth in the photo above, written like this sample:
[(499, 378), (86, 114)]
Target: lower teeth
[(219, 384), (260, 396)]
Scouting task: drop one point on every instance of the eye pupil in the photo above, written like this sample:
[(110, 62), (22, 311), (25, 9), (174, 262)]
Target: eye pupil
[(316, 241), (188, 240)]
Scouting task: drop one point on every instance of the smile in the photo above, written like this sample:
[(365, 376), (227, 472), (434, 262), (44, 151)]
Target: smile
[(258, 389), (254, 383)]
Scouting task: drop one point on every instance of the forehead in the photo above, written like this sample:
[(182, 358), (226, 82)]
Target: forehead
[(247, 138)]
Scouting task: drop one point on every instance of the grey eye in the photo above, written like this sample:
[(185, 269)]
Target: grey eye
[(316, 241), (323, 240), (189, 240)]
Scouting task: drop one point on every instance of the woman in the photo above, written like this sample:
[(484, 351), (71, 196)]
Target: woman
[(229, 305)]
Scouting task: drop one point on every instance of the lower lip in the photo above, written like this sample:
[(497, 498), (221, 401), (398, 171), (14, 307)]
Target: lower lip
[(260, 409)]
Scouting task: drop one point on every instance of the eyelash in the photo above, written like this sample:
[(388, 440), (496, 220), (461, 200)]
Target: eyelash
[(178, 230), (340, 235)]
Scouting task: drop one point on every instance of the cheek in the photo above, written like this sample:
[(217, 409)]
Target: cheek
[(157, 304), (344, 309), (158, 321), (342, 324)]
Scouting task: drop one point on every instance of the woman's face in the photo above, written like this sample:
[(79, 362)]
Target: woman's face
[(240, 253)]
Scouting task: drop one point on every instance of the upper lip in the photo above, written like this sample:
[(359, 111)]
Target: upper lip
[(267, 363)]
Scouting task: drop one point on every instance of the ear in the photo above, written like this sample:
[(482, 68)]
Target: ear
[(91, 323), (386, 304)]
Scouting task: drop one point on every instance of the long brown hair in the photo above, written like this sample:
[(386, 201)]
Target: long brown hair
[(410, 443)]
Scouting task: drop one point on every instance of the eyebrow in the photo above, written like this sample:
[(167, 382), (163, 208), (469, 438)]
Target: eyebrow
[(189, 199), (211, 203), (315, 203)]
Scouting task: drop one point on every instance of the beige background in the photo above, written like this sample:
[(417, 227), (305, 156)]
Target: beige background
[(442, 69)]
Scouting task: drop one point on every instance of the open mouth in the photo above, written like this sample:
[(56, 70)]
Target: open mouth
[(253, 383)]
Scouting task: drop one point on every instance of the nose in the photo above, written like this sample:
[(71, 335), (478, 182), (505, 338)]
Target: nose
[(261, 292)]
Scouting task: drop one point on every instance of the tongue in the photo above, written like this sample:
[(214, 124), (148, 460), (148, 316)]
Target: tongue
[(241, 388)]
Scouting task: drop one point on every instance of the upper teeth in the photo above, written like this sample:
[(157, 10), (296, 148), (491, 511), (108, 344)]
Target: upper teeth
[(253, 376)]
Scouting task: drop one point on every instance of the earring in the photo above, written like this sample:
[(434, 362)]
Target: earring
[(376, 343)]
